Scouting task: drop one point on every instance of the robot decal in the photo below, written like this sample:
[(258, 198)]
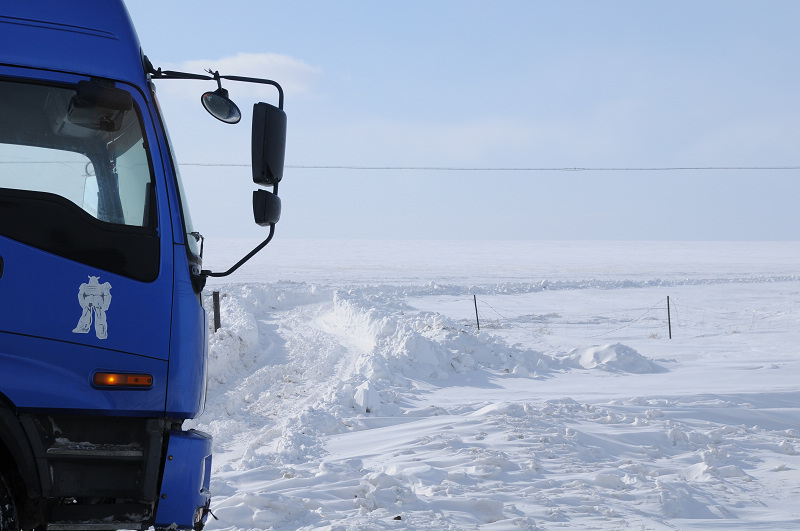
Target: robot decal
[(94, 297)]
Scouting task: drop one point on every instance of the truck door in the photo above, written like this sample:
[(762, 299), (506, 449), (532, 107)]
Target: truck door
[(85, 247)]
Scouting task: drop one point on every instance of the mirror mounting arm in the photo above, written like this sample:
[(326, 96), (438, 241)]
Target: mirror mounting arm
[(157, 73), (237, 265), (259, 81)]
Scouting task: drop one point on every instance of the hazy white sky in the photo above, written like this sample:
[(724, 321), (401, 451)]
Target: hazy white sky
[(500, 84)]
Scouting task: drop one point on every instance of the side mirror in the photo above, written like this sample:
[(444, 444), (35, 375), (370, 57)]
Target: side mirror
[(266, 208), (269, 144)]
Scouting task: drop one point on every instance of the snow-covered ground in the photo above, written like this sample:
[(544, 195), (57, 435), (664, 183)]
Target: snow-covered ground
[(350, 388)]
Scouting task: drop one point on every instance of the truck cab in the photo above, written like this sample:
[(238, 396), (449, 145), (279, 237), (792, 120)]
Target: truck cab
[(103, 335)]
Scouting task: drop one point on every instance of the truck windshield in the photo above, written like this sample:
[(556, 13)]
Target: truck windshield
[(75, 175), (105, 173)]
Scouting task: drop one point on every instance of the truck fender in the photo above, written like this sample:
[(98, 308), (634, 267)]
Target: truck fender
[(13, 437)]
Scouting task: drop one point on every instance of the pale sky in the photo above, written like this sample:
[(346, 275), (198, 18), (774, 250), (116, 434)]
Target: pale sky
[(500, 84)]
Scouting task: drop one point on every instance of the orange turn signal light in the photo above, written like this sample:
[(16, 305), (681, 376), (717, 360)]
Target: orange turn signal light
[(119, 379)]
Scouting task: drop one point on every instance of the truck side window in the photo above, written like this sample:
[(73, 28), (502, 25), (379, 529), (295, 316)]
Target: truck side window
[(191, 240), (75, 177)]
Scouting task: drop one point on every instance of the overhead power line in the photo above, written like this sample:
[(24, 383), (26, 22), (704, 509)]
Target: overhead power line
[(462, 168), (513, 169)]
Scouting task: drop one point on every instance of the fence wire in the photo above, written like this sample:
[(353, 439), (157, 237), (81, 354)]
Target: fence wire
[(652, 321)]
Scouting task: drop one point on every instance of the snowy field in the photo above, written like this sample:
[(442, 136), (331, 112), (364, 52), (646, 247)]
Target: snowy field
[(350, 388)]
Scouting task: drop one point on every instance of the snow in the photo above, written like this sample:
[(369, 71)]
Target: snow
[(350, 388)]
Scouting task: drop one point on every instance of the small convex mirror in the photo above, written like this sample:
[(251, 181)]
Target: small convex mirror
[(220, 106)]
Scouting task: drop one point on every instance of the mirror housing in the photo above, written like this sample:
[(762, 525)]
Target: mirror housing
[(266, 208), (268, 144)]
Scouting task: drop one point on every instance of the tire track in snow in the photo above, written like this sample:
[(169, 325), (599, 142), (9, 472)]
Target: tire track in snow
[(300, 460)]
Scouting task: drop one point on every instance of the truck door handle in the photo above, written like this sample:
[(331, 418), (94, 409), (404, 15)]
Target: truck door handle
[(1, 266)]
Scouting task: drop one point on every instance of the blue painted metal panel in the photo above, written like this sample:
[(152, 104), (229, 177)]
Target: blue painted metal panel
[(90, 37), (188, 346), (57, 377), (185, 495), (39, 299)]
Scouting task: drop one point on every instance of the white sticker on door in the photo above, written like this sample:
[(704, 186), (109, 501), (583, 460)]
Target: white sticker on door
[(94, 298)]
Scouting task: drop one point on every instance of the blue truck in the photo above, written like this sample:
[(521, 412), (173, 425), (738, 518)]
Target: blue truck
[(103, 334)]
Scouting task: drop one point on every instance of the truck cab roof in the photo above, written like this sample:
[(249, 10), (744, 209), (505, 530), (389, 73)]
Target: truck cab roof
[(91, 37)]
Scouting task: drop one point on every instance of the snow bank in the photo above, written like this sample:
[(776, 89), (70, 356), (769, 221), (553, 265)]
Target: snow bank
[(369, 407), (612, 358)]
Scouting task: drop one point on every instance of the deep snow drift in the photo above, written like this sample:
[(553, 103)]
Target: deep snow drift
[(349, 386)]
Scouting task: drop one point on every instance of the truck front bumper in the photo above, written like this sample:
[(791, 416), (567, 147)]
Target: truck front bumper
[(185, 497)]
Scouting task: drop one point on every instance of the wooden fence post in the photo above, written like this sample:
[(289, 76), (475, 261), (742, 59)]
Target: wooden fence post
[(669, 319), (475, 300), (215, 297)]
